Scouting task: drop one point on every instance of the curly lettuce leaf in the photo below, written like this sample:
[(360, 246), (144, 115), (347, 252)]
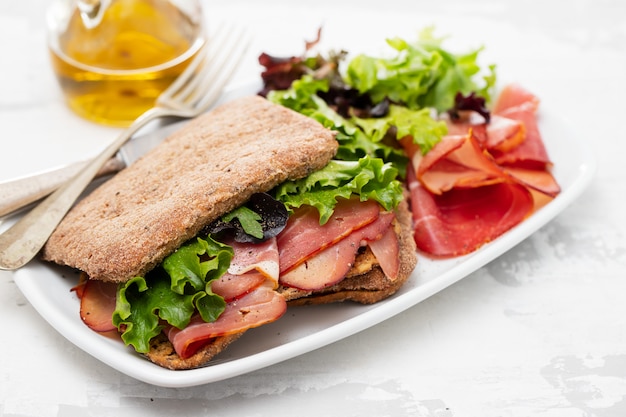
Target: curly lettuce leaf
[(420, 74), (369, 178), (419, 124), (140, 307), (172, 293), (301, 95), (403, 78), (353, 142)]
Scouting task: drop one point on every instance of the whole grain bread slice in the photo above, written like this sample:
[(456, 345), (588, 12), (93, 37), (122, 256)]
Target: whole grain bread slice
[(163, 354), (211, 166)]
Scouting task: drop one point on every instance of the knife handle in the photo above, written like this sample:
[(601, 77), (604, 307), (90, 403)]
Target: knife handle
[(18, 193)]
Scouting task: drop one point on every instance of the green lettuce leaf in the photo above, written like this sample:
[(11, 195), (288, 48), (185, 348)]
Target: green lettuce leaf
[(353, 142), (419, 124), (420, 74), (249, 220), (172, 293), (301, 95), (403, 78), (369, 178)]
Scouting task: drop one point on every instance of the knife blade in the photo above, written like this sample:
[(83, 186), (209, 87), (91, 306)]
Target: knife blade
[(16, 194)]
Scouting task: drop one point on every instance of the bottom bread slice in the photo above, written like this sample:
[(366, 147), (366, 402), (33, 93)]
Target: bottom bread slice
[(163, 354)]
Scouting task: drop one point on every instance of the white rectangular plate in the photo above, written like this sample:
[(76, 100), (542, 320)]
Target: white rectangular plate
[(305, 328)]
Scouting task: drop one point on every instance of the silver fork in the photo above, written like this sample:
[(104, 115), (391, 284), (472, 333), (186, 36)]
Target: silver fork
[(191, 94)]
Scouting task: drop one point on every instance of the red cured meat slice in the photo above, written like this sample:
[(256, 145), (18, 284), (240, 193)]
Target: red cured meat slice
[(461, 220), (259, 307), (386, 250), (531, 153), (97, 304), (261, 257), (324, 269), (457, 161), (250, 266), (501, 133), (231, 287), (513, 95), (303, 237), (331, 265), (517, 103), (504, 133), (540, 182)]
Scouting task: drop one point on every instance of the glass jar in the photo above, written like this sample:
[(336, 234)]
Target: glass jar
[(113, 58)]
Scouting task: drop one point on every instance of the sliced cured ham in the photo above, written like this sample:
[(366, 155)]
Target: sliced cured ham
[(531, 153), (517, 103), (462, 220), (97, 303), (504, 133), (457, 161), (529, 162), (539, 180), (251, 265), (323, 269), (231, 287), (303, 236), (261, 306), (261, 257), (482, 179), (501, 133), (386, 250), (331, 265), (513, 95)]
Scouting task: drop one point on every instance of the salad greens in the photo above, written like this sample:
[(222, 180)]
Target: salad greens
[(419, 81), (172, 293), (369, 178), (420, 74)]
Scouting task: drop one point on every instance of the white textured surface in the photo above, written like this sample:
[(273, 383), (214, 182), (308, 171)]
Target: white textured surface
[(541, 331)]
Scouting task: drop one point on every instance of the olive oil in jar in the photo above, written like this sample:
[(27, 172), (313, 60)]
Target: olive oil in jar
[(114, 71)]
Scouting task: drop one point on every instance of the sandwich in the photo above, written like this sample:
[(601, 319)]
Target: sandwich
[(244, 212)]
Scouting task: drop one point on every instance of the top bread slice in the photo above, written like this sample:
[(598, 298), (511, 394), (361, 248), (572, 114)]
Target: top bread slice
[(214, 164)]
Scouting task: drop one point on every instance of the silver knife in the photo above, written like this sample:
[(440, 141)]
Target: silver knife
[(18, 193)]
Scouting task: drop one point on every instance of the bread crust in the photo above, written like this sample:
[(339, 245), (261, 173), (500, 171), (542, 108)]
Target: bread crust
[(163, 354), (214, 164)]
